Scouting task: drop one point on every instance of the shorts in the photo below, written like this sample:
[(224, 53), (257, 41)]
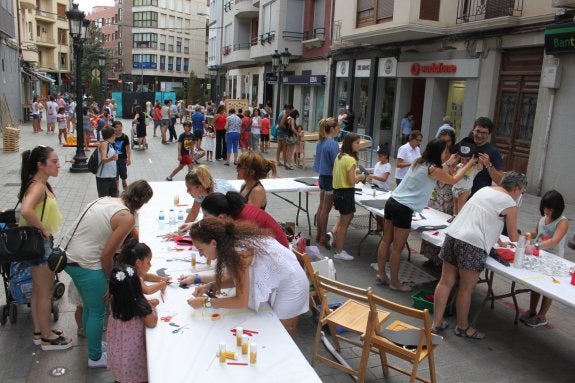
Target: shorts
[(35, 116), (398, 214), (198, 134), (51, 119), (344, 200), (326, 183), (458, 191), (186, 159), (47, 251), (462, 254), (122, 168), (264, 137)]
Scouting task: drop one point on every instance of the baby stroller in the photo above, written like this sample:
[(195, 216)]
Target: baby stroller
[(134, 137)]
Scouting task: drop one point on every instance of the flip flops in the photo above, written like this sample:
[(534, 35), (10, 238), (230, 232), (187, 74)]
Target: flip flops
[(476, 334), (381, 282)]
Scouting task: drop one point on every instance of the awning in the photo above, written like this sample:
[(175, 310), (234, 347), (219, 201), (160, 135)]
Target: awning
[(39, 76)]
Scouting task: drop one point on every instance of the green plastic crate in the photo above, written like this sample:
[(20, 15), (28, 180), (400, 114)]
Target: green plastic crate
[(421, 304)]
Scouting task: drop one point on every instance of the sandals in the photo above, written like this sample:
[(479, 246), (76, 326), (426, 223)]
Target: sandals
[(59, 343), (476, 334), (381, 282), (439, 330), (37, 336), (402, 288)]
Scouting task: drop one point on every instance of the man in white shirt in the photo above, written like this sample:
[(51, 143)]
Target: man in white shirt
[(407, 154)]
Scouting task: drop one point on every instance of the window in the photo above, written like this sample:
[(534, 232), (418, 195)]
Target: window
[(145, 40), (170, 63), (269, 17), (179, 45), (319, 14), (138, 3), (146, 19), (62, 36), (370, 12), (61, 11), (145, 61), (63, 61), (178, 63), (162, 62), (429, 10), (186, 64)]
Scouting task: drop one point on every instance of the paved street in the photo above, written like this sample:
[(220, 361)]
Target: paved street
[(510, 353)]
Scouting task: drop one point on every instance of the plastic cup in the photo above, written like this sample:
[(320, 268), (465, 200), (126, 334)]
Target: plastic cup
[(176, 199)]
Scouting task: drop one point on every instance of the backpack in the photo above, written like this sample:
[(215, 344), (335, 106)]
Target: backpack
[(93, 163)]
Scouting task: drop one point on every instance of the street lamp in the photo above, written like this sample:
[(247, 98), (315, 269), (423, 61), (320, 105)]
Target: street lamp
[(102, 65), (78, 30), (280, 62)]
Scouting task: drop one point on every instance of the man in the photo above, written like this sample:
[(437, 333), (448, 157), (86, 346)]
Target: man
[(446, 126), (407, 154), (406, 125), (122, 146), (198, 126), (173, 118), (488, 155)]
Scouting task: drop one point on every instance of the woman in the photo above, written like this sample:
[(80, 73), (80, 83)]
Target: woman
[(411, 196), (40, 209), (255, 130), (140, 122), (220, 127), (157, 117), (255, 264), (246, 132), (233, 128), (326, 152), (468, 240), (442, 197), (252, 167), (99, 234), (344, 180), (200, 183), (233, 205), (107, 167), (36, 117), (291, 138)]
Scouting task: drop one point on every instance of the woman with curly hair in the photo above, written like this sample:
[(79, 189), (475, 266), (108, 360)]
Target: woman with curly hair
[(252, 167), (253, 262)]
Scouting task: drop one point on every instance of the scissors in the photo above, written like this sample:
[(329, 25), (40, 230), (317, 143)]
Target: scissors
[(179, 329), (167, 318)]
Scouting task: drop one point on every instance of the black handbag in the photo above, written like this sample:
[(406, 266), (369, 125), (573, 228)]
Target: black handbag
[(8, 217), (24, 243)]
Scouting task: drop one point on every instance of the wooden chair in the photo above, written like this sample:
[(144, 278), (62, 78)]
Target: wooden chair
[(314, 299), (422, 345), (353, 316)]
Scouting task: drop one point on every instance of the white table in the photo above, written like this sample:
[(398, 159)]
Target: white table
[(190, 354), (562, 292)]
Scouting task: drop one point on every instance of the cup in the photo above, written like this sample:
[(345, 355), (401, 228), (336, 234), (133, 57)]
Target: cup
[(176, 199)]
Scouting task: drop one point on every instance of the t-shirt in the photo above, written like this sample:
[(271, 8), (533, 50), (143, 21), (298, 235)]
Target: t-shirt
[(120, 144), (187, 143), (264, 220), (198, 119), (379, 170), (408, 154), (325, 154), (234, 124), (165, 112), (483, 178), (265, 125), (220, 122), (51, 108), (466, 182), (340, 169), (61, 118), (416, 188)]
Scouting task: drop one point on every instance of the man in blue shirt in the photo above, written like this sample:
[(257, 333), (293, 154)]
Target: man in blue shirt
[(198, 126), (488, 155)]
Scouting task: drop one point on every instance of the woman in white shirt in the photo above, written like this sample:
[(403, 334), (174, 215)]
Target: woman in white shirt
[(255, 137)]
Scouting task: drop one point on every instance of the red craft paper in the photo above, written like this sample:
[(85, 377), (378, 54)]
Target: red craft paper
[(506, 254)]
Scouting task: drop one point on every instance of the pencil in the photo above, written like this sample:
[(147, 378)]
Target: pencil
[(237, 363)]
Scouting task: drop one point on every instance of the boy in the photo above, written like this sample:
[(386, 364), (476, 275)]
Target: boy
[(186, 143), (122, 146), (462, 189)]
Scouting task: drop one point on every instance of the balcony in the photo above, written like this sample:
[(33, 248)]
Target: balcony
[(45, 16), (256, 3), (46, 41), (244, 9), (30, 54), (315, 39), (238, 54), (488, 14), (27, 4)]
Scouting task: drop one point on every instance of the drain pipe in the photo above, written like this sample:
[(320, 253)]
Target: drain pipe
[(546, 140)]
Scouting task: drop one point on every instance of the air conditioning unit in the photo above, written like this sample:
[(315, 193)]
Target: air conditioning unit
[(563, 3)]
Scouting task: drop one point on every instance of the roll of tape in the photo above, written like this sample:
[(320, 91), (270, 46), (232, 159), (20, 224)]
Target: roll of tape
[(216, 316)]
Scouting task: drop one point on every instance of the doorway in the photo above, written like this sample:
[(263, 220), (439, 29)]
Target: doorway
[(417, 99)]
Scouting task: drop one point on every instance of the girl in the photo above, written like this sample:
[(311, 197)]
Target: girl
[(252, 167), (256, 264), (299, 147), (140, 122), (139, 255), (550, 235), (61, 118), (344, 179), (131, 315), (210, 143), (256, 130), (325, 154), (40, 209), (265, 133), (382, 170), (36, 116), (185, 150)]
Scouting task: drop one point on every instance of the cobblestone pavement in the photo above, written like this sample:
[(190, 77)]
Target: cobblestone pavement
[(510, 353)]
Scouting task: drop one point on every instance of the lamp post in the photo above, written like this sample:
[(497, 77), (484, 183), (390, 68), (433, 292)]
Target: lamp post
[(102, 65), (280, 62), (78, 30)]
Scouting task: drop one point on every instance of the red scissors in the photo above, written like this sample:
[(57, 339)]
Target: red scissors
[(167, 318)]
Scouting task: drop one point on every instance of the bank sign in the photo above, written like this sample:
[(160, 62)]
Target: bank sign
[(560, 39)]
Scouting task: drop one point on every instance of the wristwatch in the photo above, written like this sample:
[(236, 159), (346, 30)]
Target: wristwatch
[(208, 302), (489, 167)]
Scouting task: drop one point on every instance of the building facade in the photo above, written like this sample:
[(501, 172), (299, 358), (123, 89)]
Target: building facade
[(10, 68)]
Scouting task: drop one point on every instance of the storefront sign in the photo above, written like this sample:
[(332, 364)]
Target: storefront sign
[(362, 68), (342, 69), (457, 68), (387, 67), (304, 80), (560, 40)]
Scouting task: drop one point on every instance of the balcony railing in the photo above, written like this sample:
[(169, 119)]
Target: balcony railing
[(45, 14), (476, 10), (292, 36), (317, 33), (241, 46), (267, 37)]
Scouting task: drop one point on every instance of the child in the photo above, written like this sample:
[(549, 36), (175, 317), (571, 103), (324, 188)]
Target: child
[(185, 150), (210, 143), (550, 235), (122, 146), (299, 147), (131, 314), (139, 255), (61, 118), (265, 133), (344, 180), (382, 170), (462, 188)]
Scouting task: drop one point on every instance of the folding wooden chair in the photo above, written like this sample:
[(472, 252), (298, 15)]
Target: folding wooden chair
[(417, 345), (314, 299), (352, 316)]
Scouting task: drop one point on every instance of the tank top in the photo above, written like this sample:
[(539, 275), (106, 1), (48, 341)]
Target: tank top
[(247, 196), (415, 188), (547, 231), (52, 215)]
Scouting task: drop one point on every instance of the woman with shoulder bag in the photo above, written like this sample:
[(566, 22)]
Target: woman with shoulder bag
[(40, 209)]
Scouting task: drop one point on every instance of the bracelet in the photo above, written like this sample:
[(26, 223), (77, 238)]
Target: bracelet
[(489, 167), (197, 279)]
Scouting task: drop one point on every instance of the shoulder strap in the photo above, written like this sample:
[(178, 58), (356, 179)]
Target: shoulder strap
[(43, 206), (78, 223)]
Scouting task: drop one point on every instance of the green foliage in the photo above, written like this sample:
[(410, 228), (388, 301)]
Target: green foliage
[(195, 91), (95, 90), (93, 49)]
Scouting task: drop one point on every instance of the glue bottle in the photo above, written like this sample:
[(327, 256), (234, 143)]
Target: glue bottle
[(222, 352), (519, 252), (253, 353)]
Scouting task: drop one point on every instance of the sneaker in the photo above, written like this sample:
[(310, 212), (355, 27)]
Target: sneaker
[(169, 179), (329, 240), (344, 256), (59, 343), (536, 322), (104, 346), (100, 363), (526, 316)]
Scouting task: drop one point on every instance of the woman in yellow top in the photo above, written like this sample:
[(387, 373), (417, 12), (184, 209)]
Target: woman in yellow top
[(344, 180), (40, 210)]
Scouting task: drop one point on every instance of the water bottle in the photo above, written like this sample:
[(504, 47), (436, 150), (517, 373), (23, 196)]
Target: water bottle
[(519, 252), (162, 217), (180, 216), (172, 217)]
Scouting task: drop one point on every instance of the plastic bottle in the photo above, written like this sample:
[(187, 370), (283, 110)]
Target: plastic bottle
[(528, 245), (180, 216), (222, 355), (172, 217), (162, 217), (253, 353), (519, 252)]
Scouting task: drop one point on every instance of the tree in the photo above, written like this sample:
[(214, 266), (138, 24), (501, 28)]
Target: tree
[(195, 91), (93, 49)]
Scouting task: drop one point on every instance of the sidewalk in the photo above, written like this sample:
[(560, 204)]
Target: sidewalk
[(510, 353)]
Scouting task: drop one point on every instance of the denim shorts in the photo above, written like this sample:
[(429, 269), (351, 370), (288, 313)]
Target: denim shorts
[(47, 252), (326, 183)]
